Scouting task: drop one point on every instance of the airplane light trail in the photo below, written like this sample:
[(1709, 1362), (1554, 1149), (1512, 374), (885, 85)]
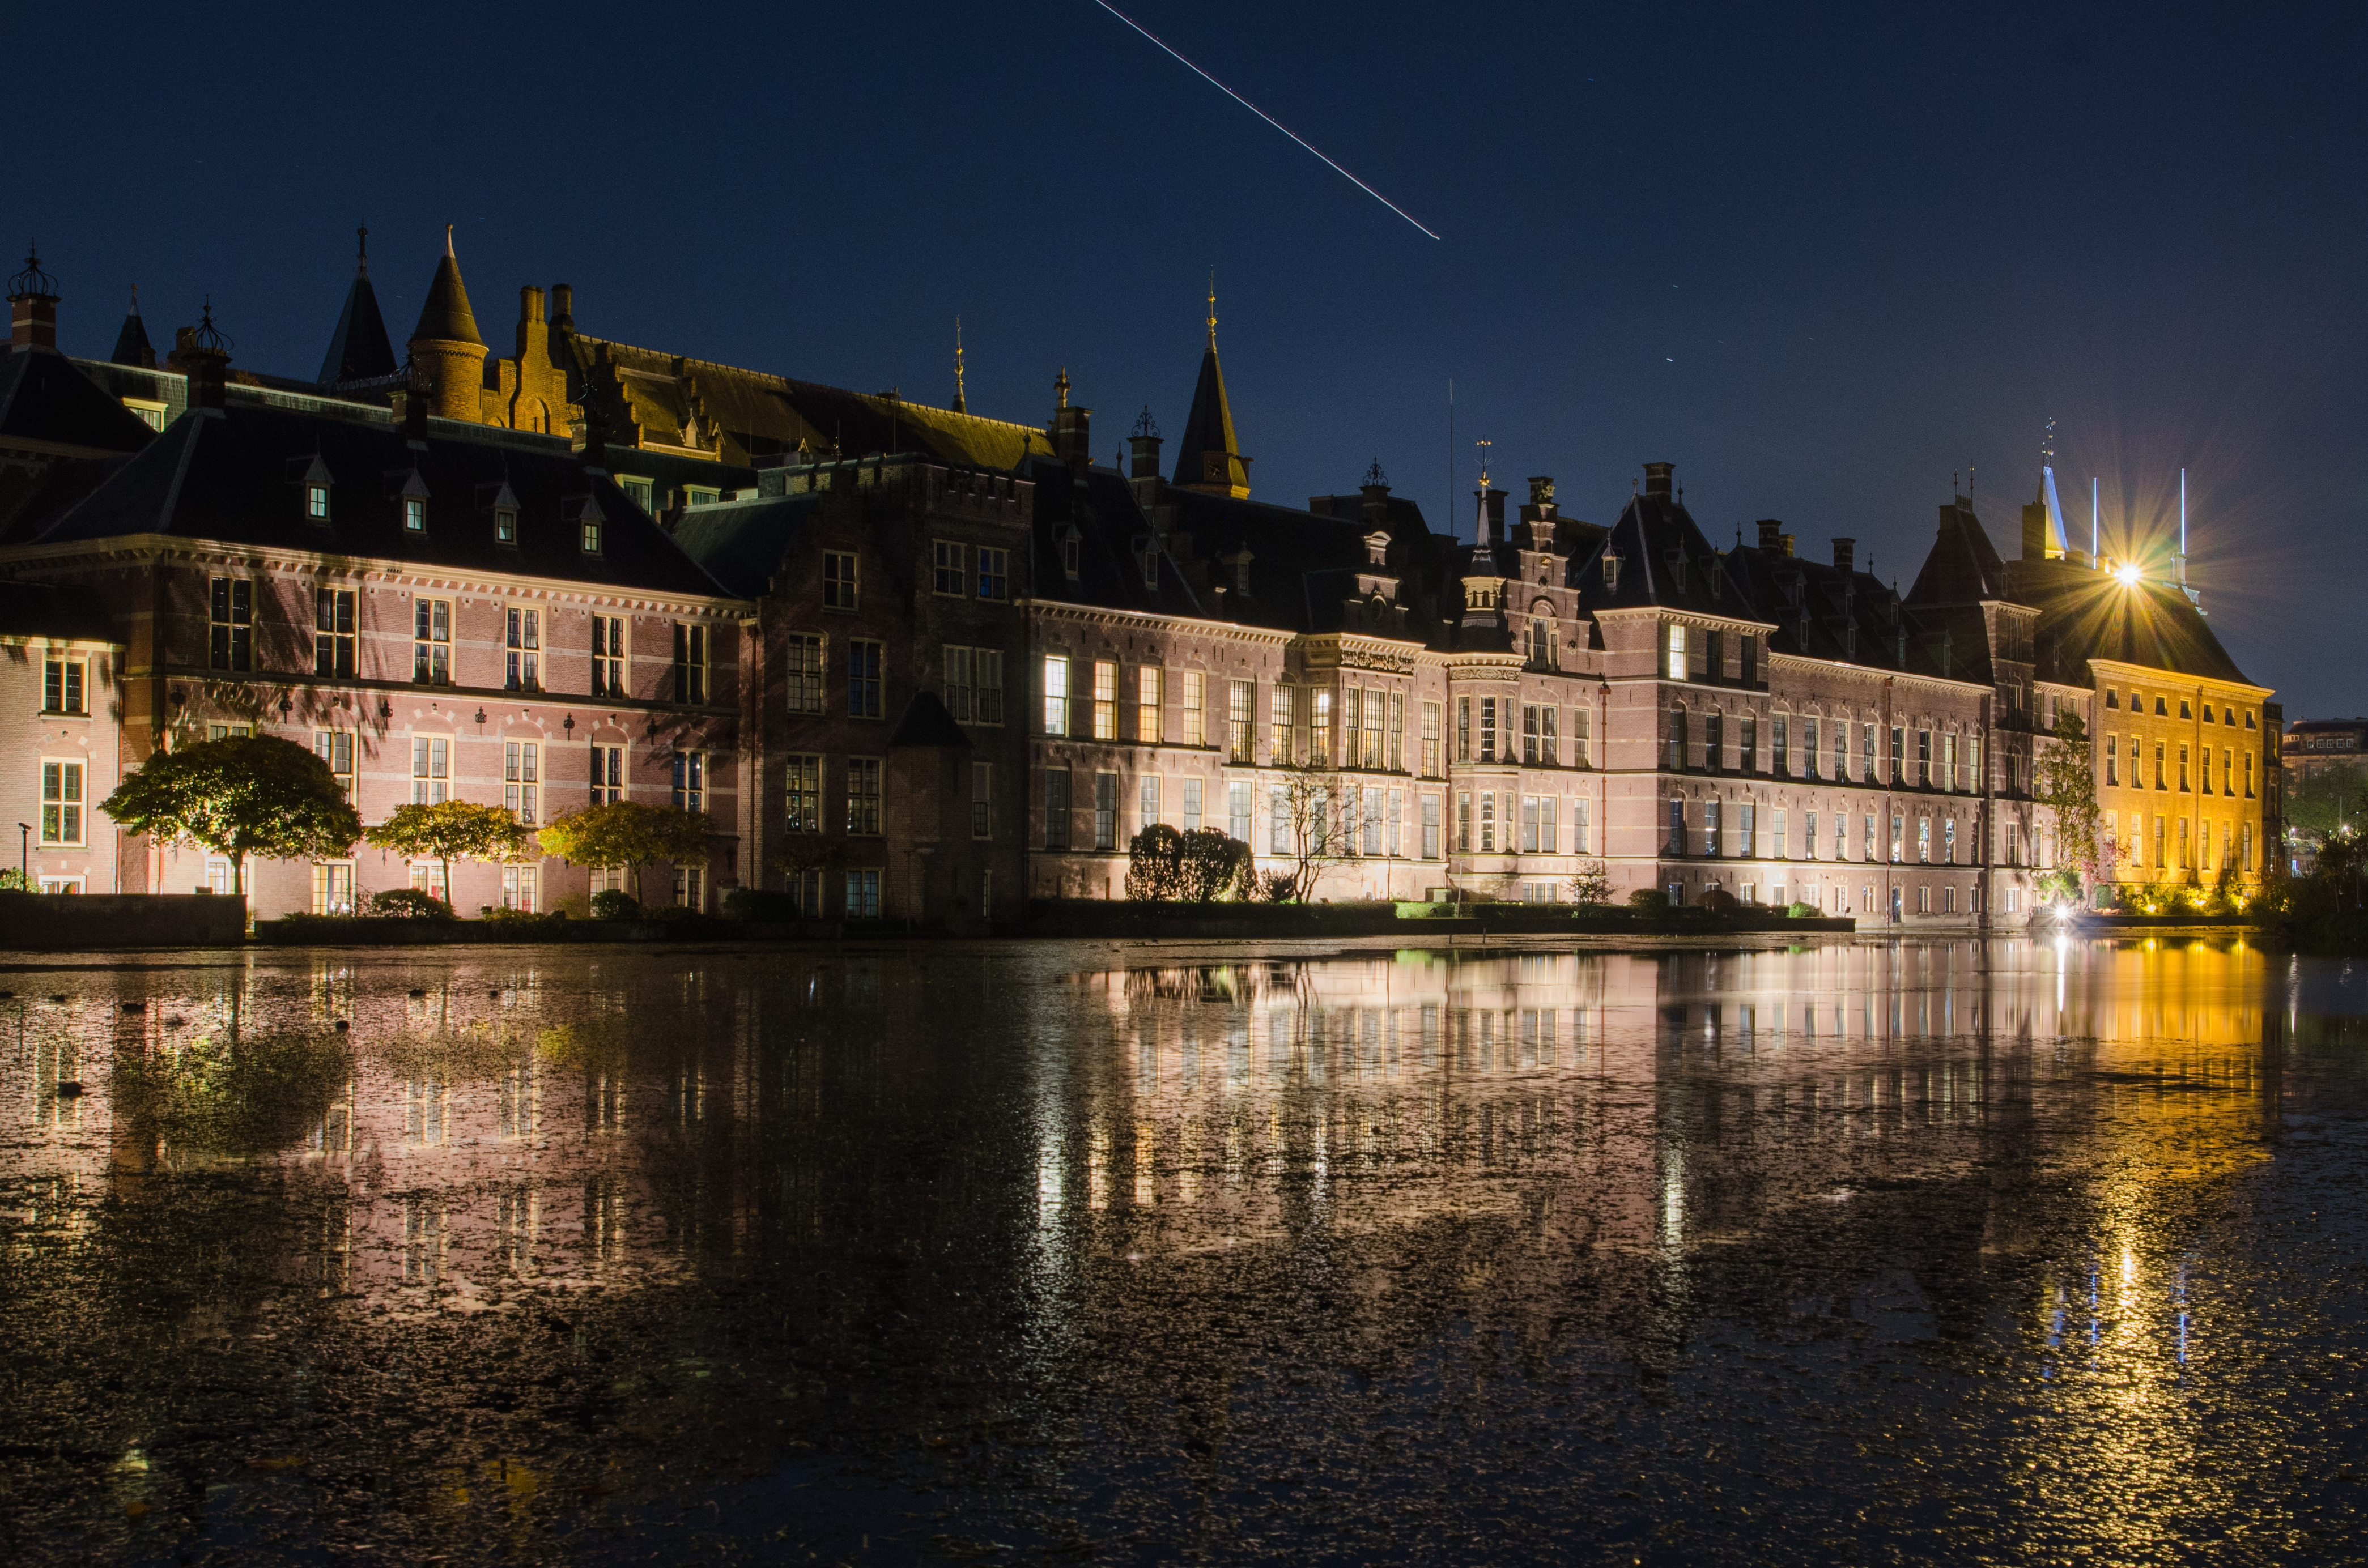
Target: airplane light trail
[(1279, 125)]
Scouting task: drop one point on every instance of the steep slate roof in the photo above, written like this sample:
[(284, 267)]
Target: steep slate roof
[(742, 543), (2087, 615), (46, 402), (63, 612), (358, 350), (1209, 454), (1849, 617), (1654, 537), (131, 344), (236, 475), (445, 315), (1962, 567)]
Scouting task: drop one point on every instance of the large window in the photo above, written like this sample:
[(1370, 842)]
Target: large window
[(431, 642), (1105, 700), (230, 623), (982, 799), (1056, 808), (803, 688), (974, 685), (1579, 720), (838, 580), (862, 678), (1105, 810), (1241, 721), (431, 769), (1430, 743), (864, 895), (1279, 718), (1192, 805), (1196, 731), (1237, 810), (946, 567), (1675, 663), (333, 633), (1376, 714), (335, 748), (62, 685), (608, 775), (1487, 729), (609, 656), (521, 779), (62, 803), (1056, 704), (803, 790), (1430, 827), (863, 795), (690, 780), (1148, 707), (332, 888), (994, 573), (522, 638), (1319, 734), (689, 662)]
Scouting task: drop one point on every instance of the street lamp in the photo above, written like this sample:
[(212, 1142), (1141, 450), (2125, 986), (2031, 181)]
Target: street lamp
[(24, 856)]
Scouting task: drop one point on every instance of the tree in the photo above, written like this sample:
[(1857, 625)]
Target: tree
[(1319, 822), (2323, 802), (1213, 865), (1592, 886), (242, 796), (1155, 863), (626, 834), (453, 829), (2065, 781)]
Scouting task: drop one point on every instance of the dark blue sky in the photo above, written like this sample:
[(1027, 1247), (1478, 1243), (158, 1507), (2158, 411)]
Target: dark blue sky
[(1818, 259)]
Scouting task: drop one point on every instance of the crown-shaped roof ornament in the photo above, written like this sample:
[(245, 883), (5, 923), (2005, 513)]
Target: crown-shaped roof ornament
[(1144, 425), (32, 283), (1374, 476), (209, 336)]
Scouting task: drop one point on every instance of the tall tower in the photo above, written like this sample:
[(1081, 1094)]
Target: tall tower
[(358, 350), (445, 344), (1209, 459)]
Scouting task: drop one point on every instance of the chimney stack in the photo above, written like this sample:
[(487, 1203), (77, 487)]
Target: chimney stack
[(1845, 553), (202, 354), (1142, 450), (562, 305), (32, 306), (1771, 533), (1659, 479), (1071, 443), (1376, 492)]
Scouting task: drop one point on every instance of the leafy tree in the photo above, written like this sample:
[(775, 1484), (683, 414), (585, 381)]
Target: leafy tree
[(409, 903), (1155, 863), (626, 834), (1592, 886), (2065, 781), (2326, 801), (245, 795), (451, 830), (1213, 864)]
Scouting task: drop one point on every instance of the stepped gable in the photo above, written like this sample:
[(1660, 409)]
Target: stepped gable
[(237, 475)]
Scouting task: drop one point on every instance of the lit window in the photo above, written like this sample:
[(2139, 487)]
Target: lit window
[(316, 503), (1056, 697), (505, 526), (1676, 664), (333, 634), (1105, 700), (863, 795), (591, 538), (1147, 705), (804, 788), (431, 642), (62, 819), (608, 655), (414, 514), (62, 685), (230, 623), (522, 773)]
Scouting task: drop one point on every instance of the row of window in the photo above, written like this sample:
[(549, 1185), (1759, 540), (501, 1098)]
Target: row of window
[(1529, 825), (860, 779), (431, 773), (1357, 819), (973, 685), (229, 641), (1538, 744), (1701, 651), (2218, 846), (1740, 829), (584, 513), (2229, 784), (1943, 759), (2213, 713)]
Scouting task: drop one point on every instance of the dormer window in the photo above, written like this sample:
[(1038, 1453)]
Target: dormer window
[(591, 538), (414, 514), (504, 525), (316, 503), (1610, 573), (1069, 554)]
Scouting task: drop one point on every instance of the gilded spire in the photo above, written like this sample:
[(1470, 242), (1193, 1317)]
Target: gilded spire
[(1212, 307), (962, 404), (361, 247)]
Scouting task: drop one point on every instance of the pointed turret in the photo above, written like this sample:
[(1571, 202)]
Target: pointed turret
[(1209, 459), (131, 344), (445, 342), (358, 349)]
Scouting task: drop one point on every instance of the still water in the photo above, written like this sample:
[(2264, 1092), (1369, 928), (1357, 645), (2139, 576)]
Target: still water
[(1869, 1251)]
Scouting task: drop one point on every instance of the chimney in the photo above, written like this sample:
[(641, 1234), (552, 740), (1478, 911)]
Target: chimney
[(596, 444), (1845, 553), (202, 354), (32, 306), (1376, 492), (411, 407), (1142, 458), (1657, 479), (1771, 533), (563, 306), (1070, 441), (1541, 498), (529, 316)]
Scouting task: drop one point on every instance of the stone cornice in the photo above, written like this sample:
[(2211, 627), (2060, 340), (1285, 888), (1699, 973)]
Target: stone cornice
[(2156, 675)]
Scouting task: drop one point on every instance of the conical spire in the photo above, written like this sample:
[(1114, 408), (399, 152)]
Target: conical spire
[(1209, 459), (962, 404), (446, 317), (131, 344), (358, 349)]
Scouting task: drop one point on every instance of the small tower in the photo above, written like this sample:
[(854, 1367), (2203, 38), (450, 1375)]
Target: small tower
[(1209, 459), (358, 350), (445, 344), (131, 344), (1071, 428), (32, 306)]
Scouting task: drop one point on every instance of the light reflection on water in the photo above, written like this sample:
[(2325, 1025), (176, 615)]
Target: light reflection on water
[(1139, 1253)]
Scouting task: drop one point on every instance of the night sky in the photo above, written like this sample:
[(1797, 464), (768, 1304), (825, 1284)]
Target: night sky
[(1819, 261)]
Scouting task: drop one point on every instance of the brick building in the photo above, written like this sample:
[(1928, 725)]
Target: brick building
[(922, 664)]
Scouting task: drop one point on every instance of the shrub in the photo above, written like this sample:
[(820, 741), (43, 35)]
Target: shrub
[(1211, 864), (1649, 900), (1718, 901), (1800, 911), (1592, 887), (410, 904), (1277, 887), (1154, 867), (614, 903), (504, 915)]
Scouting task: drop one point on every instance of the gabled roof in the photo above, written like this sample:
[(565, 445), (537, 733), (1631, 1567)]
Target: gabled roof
[(358, 350), (1962, 567), (445, 317), (46, 402), (236, 475), (1665, 562)]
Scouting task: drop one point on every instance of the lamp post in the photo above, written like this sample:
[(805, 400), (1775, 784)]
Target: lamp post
[(24, 856)]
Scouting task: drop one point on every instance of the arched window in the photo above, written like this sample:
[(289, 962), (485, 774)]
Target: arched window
[(1676, 760)]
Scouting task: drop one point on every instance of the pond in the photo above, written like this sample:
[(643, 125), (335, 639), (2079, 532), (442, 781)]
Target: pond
[(1868, 1250)]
